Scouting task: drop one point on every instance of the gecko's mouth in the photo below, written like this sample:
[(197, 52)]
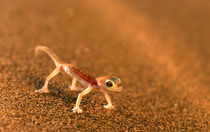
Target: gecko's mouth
[(116, 89)]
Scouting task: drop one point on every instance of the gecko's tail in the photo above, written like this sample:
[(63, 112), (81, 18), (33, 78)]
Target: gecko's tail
[(50, 53)]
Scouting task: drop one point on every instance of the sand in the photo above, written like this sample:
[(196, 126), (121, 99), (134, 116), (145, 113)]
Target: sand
[(159, 50)]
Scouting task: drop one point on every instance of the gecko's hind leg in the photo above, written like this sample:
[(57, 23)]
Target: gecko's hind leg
[(73, 86), (44, 89)]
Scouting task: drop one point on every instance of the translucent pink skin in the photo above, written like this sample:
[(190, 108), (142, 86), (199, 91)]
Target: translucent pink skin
[(84, 76), (80, 76)]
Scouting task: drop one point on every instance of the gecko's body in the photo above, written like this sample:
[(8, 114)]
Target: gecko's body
[(80, 75), (101, 83)]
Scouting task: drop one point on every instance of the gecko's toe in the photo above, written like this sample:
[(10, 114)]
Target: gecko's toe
[(71, 88), (77, 110), (109, 106), (42, 91)]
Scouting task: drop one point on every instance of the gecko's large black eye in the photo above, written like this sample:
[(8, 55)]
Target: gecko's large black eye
[(109, 83)]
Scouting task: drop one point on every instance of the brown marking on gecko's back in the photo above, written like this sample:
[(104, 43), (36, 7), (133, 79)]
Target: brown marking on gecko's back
[(84, 76)]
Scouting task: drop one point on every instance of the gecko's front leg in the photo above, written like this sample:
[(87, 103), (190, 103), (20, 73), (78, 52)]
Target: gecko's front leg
[(109, 105), (76, 109), (108, 98)]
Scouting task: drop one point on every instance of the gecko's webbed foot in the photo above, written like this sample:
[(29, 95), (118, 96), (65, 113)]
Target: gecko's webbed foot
[(42, 90), (109, 106), (77, 110), (75, 88)]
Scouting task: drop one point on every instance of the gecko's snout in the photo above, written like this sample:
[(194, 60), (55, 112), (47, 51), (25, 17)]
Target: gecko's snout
[(120, 89)]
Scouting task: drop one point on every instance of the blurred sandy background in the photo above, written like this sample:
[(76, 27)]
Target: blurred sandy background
[(159, 49)]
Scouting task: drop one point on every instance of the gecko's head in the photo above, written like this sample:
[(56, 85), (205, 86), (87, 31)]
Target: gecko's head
[(110, 83)]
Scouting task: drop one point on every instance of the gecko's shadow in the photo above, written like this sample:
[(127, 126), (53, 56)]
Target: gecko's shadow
[(56, 92)]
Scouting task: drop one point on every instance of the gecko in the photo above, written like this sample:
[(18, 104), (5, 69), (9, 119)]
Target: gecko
[(101, 84)]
